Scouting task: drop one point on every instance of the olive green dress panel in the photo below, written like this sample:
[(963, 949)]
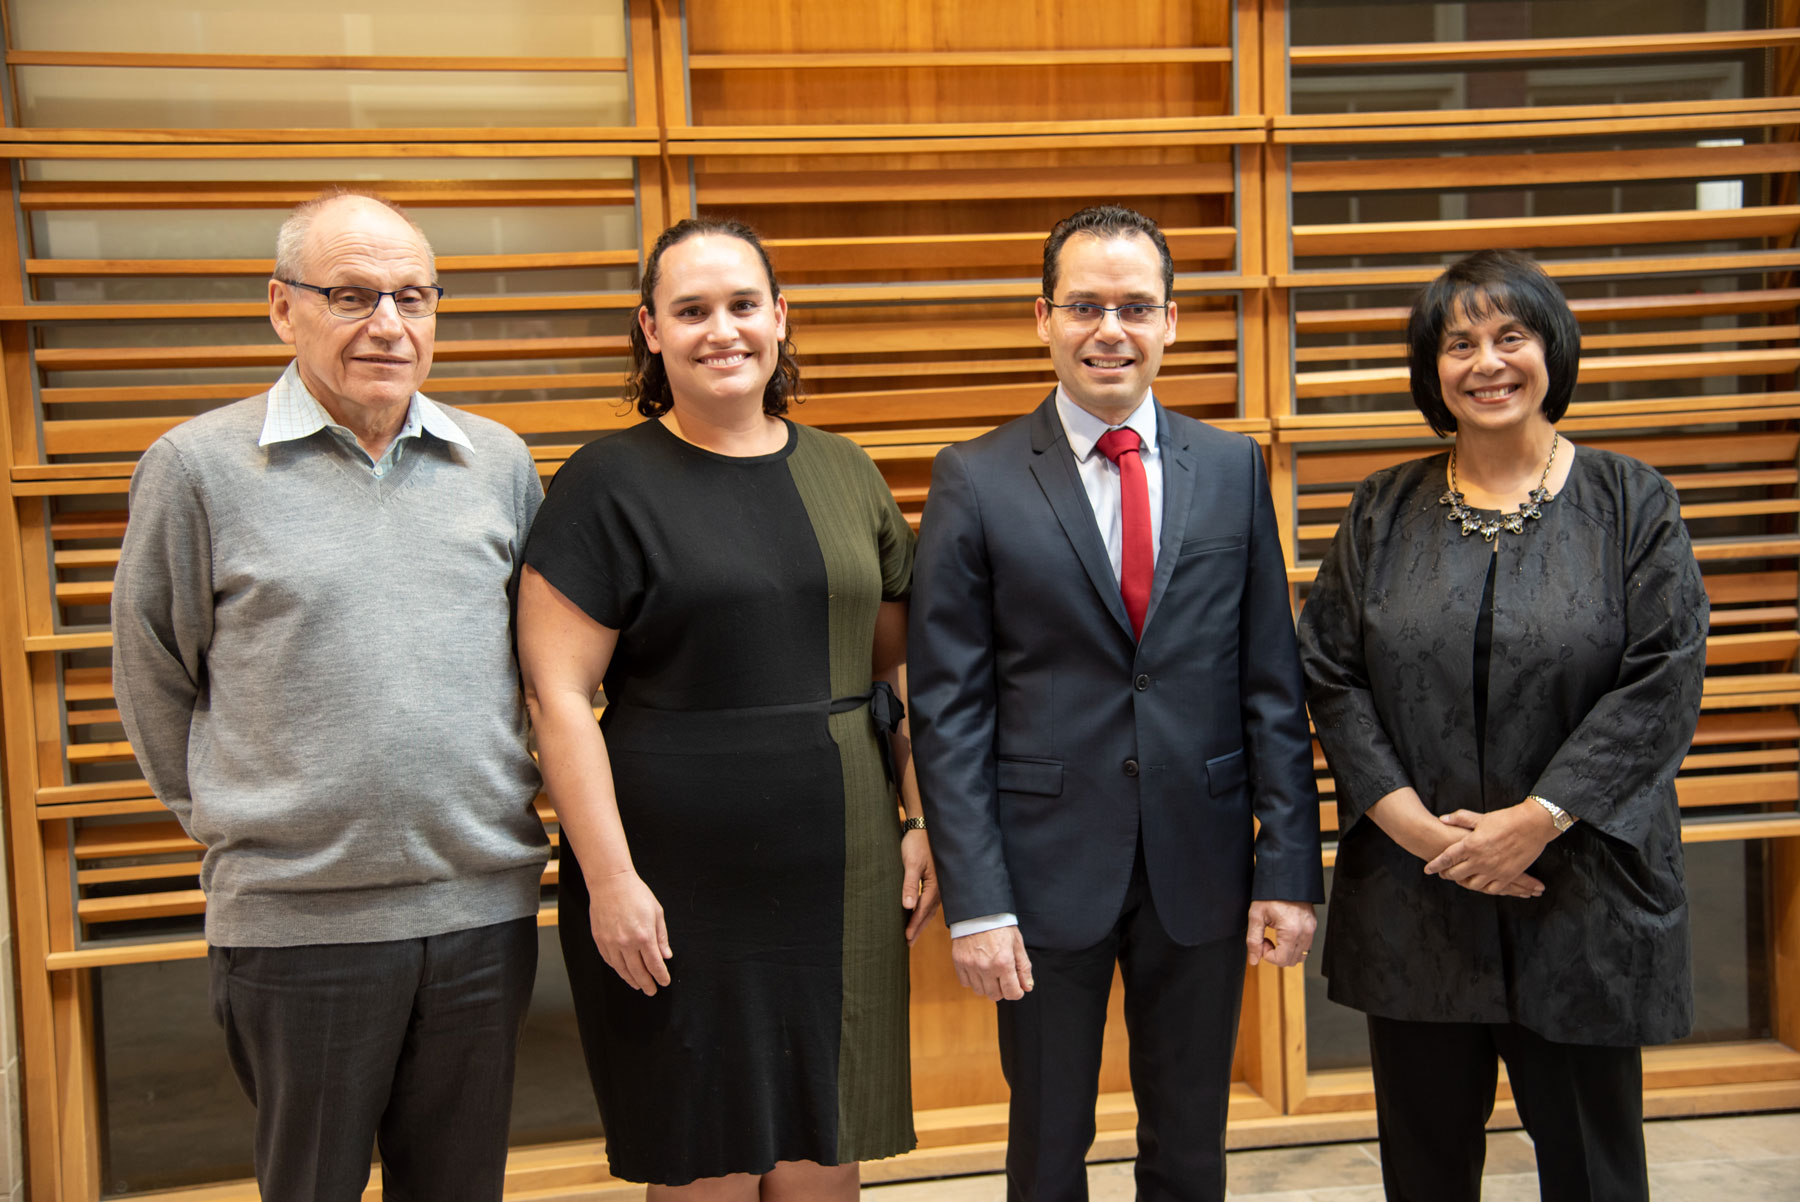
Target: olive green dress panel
[(867, 548)]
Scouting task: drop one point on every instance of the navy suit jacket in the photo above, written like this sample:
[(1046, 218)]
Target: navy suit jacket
[(1046, 736)]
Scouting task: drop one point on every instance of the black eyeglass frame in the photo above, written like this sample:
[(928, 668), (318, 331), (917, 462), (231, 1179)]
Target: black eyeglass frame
[(379, 295), (1105, 309)]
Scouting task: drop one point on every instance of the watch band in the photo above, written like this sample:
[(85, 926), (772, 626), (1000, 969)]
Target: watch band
[(913, 824)]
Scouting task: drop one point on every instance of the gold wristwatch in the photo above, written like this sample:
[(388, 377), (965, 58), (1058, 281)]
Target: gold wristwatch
[(1561, 817)]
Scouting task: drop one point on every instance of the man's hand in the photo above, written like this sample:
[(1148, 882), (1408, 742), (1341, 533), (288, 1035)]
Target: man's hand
[(627, 924), (1293, 924), (1499, 847), (993, 963)]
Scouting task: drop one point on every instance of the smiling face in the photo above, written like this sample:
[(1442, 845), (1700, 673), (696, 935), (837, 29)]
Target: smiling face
[(716, 325), (1107, 366), (1492, 371), (364, 367)]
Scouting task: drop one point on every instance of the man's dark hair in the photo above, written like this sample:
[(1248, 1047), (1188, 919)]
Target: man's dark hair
[(1106, 221), (648, 384), (1485, 283)]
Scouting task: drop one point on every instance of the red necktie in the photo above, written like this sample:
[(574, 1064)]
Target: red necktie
[(1137, 559)]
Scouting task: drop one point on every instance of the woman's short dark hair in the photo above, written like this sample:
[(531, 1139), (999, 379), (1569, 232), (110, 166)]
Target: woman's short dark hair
[(1485, 283), (648, 384)]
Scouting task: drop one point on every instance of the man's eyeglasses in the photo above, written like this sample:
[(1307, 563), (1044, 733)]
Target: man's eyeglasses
[(354, 303), (1135, 314)]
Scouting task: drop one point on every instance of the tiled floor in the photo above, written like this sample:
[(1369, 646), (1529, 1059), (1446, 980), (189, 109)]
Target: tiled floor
[(1752, 1158)]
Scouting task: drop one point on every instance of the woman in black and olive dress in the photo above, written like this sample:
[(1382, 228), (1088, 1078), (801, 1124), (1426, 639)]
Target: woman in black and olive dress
[(1504, 650), (735, 882)]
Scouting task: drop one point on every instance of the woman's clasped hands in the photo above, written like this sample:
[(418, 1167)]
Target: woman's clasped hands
[(1499, 846)]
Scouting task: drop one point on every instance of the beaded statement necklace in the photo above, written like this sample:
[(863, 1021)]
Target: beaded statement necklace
[(1512, 523)]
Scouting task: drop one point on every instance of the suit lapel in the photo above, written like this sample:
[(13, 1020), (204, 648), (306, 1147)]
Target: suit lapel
[(1178, 494), (1054, 466)]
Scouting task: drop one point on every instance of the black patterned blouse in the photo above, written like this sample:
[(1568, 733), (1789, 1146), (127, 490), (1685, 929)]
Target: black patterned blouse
[(1599, 647)]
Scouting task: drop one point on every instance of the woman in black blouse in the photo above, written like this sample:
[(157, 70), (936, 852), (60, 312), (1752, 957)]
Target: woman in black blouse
[(1504, 650), (737, 893)]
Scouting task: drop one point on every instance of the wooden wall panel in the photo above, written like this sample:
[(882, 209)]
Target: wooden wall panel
[(904, 166)]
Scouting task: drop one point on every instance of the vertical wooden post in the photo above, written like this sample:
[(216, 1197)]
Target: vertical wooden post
[(1247, 59), (1784, 952), (1274, 33)]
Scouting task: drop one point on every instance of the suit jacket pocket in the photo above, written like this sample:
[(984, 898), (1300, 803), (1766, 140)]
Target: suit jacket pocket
[(1030, 776), (1200, 546), (1224, 773)]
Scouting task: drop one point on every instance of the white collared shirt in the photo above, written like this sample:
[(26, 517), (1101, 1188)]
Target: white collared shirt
[(1100, 475), (1100, 480), (295, 413)]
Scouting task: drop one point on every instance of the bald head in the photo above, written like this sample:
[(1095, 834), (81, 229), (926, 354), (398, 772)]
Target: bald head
[(291, 251)]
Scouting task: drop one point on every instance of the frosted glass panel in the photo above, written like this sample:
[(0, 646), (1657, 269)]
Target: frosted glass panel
[(144, 98), (543, 28), (141, 97)]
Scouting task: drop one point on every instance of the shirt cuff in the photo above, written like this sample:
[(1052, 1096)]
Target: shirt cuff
[(987, 922)]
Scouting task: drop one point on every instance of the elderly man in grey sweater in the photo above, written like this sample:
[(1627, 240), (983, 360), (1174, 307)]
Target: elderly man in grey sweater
[(313, 660)]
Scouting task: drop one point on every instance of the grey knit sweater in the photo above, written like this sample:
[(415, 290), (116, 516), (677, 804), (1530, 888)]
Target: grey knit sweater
[(315, 668)]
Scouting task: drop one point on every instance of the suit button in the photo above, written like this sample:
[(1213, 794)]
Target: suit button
[(1142, 683), (1131, 767)]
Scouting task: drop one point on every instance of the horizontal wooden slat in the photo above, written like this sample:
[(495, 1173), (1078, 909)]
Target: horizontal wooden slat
[(822, 338), (1775, 647), (1555, 167), (1407, 132), (1680, 365), (1708, 42), (264, 267), (1226, 122), (889, 60), (1037, 363), (1750, 727), (15, 147), (108, 311), (1626, 265), (143, 358), (1742, 788), (56, 195), (846, 143), (907, 251), (132, 839), (51, 644), (1715, 831), (1329, 467), (1547, 113), (138, 872), (436, 385), (1736, 588), (307, 62), (1588, 229), (1589, 309), (1590, 342), (958, 184)]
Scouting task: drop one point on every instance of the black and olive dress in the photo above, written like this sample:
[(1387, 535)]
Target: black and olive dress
[(745, 592)]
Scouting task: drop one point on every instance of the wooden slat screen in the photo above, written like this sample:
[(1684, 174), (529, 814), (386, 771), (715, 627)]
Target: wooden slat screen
[(904, 169)]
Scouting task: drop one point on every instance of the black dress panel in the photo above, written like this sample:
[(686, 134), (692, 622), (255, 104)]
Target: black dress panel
[(1597, 656), (754, 814)]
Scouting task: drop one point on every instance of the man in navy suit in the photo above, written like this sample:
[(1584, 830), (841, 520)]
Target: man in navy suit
[(1105, 693)]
